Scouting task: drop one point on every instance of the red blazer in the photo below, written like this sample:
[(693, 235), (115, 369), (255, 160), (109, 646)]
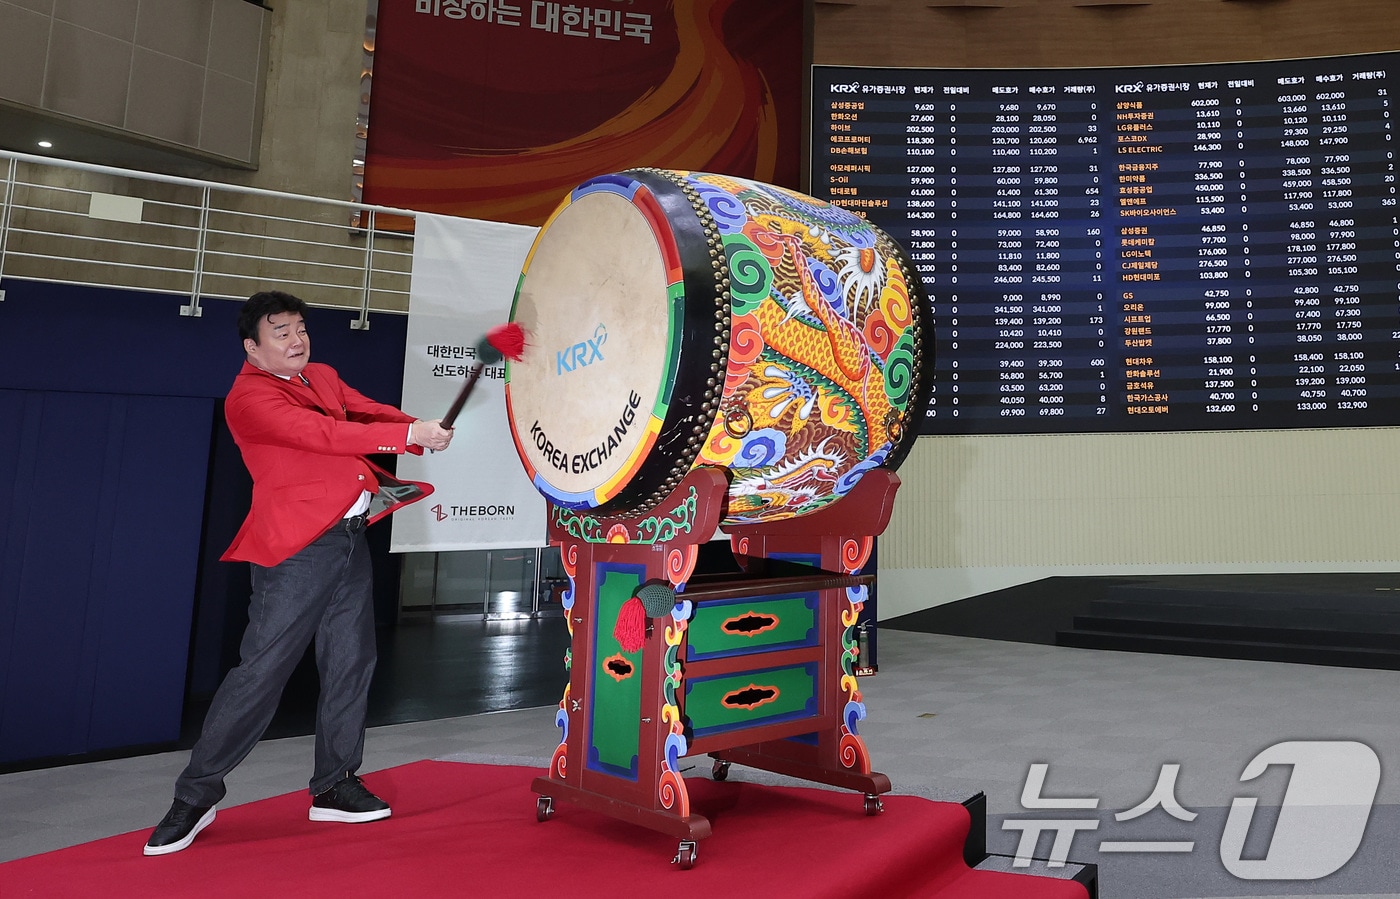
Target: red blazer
[(305, 447)]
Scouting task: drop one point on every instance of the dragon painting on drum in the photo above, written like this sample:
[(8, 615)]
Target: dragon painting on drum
[(680, 319)]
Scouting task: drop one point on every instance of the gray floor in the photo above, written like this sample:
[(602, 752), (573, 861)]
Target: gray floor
[(948, 717)]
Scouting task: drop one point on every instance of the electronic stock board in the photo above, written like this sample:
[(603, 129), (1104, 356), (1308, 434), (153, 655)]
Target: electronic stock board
[(1203, 247)]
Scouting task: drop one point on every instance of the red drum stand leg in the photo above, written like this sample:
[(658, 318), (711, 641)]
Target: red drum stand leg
[(622, 734)]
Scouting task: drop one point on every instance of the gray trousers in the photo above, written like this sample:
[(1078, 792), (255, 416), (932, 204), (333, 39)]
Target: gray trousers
[(323, 592)]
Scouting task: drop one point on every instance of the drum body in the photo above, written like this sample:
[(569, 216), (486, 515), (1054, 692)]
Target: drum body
[(677, 319)]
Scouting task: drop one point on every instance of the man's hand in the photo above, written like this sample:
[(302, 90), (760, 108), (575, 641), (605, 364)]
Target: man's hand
[(430, 434)]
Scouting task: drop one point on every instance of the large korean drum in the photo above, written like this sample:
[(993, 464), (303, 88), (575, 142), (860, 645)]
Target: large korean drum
[(678, 319)]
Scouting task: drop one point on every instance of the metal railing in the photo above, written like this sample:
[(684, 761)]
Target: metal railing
[(77, 223)]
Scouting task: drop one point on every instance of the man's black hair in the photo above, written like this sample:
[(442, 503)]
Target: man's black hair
[(262, 304)]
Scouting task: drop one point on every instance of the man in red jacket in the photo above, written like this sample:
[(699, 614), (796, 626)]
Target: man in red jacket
[(304, 435)]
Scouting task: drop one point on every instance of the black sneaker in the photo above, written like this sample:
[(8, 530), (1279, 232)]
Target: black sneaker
[(348, 801), (178, 828)]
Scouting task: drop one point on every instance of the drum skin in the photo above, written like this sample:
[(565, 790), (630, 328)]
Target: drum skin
[(677, 319)]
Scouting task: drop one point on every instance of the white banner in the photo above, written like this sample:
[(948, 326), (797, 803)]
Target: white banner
[(464, 277)]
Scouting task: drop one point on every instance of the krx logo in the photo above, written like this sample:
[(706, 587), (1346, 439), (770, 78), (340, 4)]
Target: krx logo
[(580, 354)]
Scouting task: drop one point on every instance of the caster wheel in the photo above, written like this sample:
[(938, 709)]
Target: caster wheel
[(720, 771), (873, 805), (544, 808), (686, 854)]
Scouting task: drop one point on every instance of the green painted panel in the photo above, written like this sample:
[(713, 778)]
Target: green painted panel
[(754, 624), (615, 710), (779, 694)]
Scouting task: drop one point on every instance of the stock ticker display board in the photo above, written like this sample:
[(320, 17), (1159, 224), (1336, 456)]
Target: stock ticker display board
[(1204, 247)]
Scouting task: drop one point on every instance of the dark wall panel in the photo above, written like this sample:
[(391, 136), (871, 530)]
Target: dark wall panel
[(101, 580), (110, 529), (143, 593), (224, 589), (18, 448), (60, 471), (118, 341), (1054, 33)]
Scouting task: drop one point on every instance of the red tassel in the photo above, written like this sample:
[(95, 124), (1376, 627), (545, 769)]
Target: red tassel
[(509, 339), (631, 628)]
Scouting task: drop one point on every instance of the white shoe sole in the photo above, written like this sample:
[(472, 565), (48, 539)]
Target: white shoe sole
[(335, 814), (185, 843)]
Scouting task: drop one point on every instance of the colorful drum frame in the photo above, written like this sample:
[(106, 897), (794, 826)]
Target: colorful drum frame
[(679, 319)]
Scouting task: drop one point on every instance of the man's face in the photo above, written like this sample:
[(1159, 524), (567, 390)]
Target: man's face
[(283, 347)]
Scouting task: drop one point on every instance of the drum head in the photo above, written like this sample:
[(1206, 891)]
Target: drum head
[(602, 300)]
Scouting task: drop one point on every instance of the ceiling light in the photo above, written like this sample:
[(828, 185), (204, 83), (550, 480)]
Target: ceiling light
[(46, 144)]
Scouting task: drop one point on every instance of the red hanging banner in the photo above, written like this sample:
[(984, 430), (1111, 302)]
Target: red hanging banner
[(495, 109)]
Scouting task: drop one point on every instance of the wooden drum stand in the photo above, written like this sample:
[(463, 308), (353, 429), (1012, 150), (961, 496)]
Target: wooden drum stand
[(755, 669)]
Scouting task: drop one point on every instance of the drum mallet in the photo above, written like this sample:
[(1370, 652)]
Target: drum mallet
[(505, 341)]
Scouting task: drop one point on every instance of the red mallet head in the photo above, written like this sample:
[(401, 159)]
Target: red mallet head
[(506, 341)]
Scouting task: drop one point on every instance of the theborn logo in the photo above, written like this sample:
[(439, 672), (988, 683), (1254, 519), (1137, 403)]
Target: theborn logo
[(1321, 821), (583, 353), (487, 510)]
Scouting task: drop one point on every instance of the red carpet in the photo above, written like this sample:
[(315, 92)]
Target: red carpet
[(470, 830)]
